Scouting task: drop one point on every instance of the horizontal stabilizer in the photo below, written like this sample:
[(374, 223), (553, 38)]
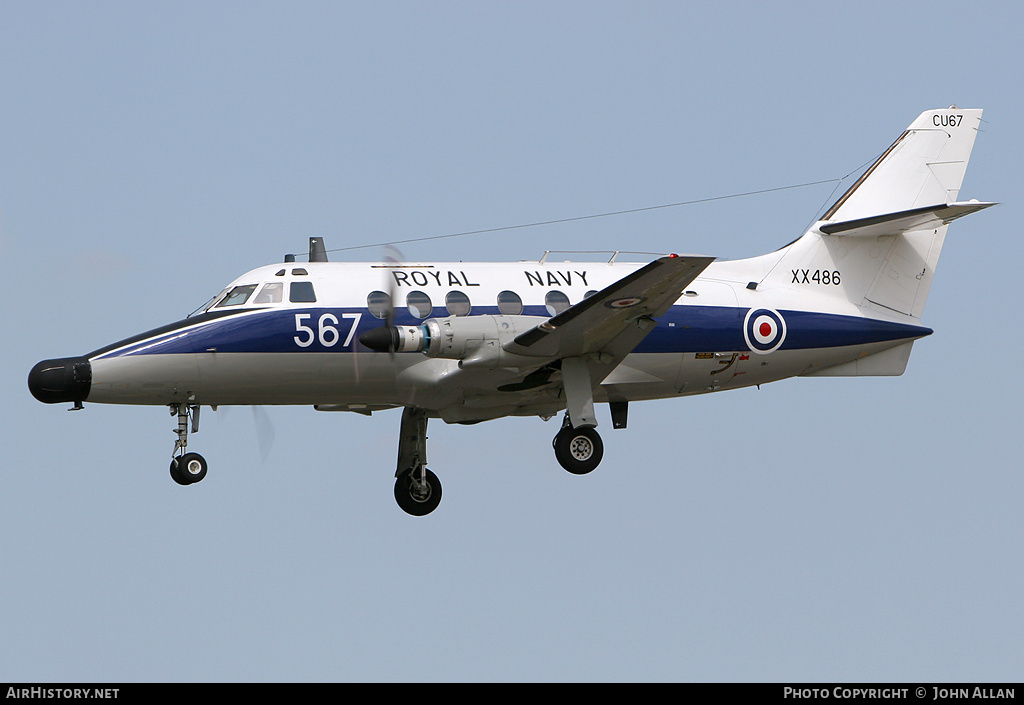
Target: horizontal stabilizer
[(904, 221)]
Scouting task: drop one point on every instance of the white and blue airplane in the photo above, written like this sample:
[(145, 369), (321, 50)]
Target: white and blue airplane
[(470, 342)]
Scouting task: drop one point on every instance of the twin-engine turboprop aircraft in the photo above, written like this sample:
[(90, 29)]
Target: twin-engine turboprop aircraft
[(469, 342)]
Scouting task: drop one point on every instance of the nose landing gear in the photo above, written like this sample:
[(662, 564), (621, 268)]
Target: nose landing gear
[(186, 468)]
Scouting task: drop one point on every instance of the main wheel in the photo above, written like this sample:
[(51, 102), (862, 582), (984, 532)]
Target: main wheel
[(578, 450), (188, 469), (415, 496)]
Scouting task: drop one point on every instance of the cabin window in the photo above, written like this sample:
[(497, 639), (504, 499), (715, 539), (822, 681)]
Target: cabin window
[(379, 303), (272, 293), (302, 293), (457, 303), (590, 293), (300, 272), (419, 304), (509, 303), (238, 295), (556, 302)]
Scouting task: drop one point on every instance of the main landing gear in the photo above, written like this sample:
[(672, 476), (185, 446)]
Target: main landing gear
[(186, 468), (417, 490), (578, 446)]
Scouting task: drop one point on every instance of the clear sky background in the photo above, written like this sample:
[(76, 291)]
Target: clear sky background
[(812, 530)]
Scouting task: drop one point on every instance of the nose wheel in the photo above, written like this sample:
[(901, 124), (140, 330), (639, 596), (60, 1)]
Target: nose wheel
[(188, 468)]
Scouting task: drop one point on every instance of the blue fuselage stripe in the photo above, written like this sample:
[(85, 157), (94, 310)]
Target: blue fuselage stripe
[(684, 329)]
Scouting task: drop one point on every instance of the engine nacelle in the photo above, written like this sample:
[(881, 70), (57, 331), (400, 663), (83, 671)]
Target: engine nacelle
[(476, 341)]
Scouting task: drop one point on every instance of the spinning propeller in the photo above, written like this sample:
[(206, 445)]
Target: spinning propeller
[(385, 338)]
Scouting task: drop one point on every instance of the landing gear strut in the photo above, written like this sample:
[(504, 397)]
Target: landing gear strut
[(186, 468), (578, 446), (417, 490)]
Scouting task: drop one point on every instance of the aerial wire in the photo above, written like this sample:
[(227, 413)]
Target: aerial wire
[(556, 221)]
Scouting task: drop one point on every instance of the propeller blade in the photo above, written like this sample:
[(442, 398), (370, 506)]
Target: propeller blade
[(394, 257), (264, 431)]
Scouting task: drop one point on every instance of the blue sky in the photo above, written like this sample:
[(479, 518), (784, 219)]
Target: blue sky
[(812, 530)]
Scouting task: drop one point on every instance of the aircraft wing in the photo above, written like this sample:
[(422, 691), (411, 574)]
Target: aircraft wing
[(610, 323)]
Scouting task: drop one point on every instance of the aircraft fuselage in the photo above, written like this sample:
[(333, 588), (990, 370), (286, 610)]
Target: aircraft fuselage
[(308, 352)]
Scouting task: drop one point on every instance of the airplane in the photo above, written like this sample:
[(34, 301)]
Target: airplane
[(470, 342)]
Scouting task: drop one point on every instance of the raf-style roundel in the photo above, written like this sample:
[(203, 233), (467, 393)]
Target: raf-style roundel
[(626, 303), (764, 329)]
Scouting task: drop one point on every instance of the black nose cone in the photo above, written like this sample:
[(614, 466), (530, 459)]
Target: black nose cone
[(65, 379)]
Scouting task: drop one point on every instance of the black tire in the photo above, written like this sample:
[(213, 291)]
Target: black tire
[(578, 450), (414, 499), (188, 469), (175, 475)]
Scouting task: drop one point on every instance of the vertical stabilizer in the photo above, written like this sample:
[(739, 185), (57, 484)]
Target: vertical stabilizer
[(879, 244), (924, 167)]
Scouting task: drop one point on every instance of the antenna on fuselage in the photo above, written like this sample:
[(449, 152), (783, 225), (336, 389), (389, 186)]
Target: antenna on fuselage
[(317, 252)]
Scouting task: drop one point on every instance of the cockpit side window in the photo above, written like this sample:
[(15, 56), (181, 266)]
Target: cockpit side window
[(271, 293), (208, 305), (302, 293), (238, 295)]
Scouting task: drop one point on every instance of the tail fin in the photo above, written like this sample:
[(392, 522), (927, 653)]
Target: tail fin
[(924, 167), (879, 244)]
